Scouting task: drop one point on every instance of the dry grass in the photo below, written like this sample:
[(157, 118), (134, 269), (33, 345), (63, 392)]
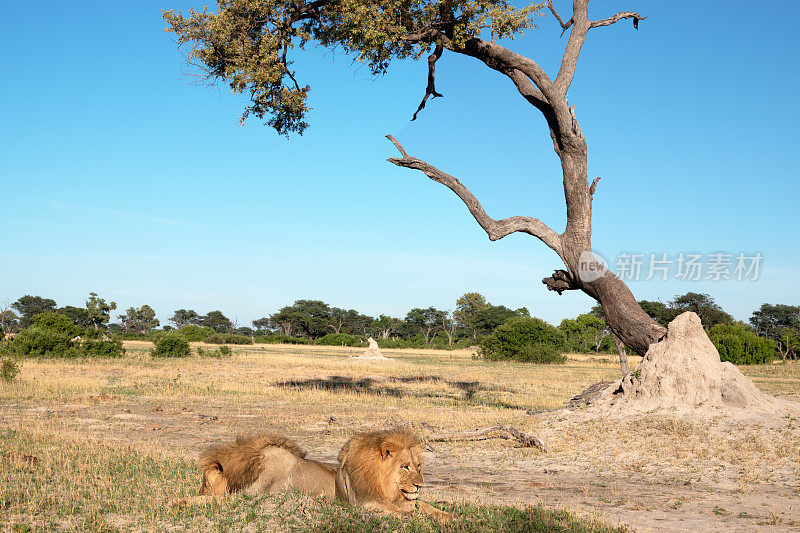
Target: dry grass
[(167, 409)]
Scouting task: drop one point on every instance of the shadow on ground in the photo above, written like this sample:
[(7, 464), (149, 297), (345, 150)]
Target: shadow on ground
[(461, 392)]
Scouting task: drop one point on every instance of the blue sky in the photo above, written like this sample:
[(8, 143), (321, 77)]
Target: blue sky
[(119, 175)]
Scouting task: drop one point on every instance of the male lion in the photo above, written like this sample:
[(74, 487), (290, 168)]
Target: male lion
[(261, 464), (380, 470)]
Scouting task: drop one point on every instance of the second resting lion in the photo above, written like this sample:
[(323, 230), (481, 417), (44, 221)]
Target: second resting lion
[(379, 470)]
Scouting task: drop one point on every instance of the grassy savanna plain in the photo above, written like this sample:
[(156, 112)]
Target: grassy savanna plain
[(105, 444)]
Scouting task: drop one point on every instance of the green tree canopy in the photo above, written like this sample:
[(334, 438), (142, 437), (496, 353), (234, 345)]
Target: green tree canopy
[(30, 306), (770, 320), (78, 315), (217, 321), (184, 317), (467, 308), (98, 310), (141, 320), (704, 305), (427, 321)]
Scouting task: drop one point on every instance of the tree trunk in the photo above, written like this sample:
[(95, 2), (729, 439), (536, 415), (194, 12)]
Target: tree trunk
[(627, 320)]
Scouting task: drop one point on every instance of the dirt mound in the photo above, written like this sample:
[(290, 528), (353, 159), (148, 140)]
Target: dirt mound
[(684, 371)]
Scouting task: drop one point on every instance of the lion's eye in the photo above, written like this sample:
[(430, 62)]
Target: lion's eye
[(404, 466)]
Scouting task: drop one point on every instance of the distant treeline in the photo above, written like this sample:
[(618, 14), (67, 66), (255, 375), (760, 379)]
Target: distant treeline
[(502, 333)]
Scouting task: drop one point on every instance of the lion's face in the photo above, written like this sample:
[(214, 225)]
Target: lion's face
[(380, 466), (404, 472)]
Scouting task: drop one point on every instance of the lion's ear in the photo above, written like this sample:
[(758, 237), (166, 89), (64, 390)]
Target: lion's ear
[(388, 449)]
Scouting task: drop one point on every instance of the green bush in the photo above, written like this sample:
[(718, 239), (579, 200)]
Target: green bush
[(541, 353), (35, 341), (171, 345), (58, 323), (111, 347), (523, 339), (281, 339), (8, 369), (224, 351), (221, 351), (194, 333), (739, 345), (227, 338), (340, 339)]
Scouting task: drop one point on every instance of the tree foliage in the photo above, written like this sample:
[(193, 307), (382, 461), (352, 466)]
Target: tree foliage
[(99, 310), (467, 308), (525, 339), (184, 317), (140, 320), (740, 345), (707, 309), (217, 321), (248, 43), (30, 306)]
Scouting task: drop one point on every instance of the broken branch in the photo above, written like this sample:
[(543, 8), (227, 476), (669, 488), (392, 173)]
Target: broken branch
[(496, 229), (593, 187), (494, 432), (616, 18), (430, 90)]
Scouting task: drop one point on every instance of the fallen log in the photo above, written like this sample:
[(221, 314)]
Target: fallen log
[(494, 432)]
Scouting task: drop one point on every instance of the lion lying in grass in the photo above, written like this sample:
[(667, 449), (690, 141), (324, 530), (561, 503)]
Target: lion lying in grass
[(380, 470)]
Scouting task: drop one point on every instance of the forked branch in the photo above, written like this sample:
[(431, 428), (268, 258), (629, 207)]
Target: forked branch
[(564, 25), (430, 90), (496, 229)]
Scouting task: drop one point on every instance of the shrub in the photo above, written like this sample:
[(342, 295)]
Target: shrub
[(35, 341), (52, 334), (111, 347), (541, 353), (739, 345), (522, 338), (221, 351), (227, 338), (171, 345), (8, 369), (58, 323), (194, 333), (340, 339)]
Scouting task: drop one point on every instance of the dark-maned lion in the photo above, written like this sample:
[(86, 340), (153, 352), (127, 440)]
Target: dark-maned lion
[(382, 470), (379, 470), (262, 464)]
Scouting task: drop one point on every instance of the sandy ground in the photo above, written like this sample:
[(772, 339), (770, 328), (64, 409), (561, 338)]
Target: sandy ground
[(657, 471)]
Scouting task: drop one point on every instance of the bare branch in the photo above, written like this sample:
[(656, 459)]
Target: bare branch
[(496, 229), (616, 18), (564, 25), (580, 18), (500, 431), (430, 90), (593, 187)]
